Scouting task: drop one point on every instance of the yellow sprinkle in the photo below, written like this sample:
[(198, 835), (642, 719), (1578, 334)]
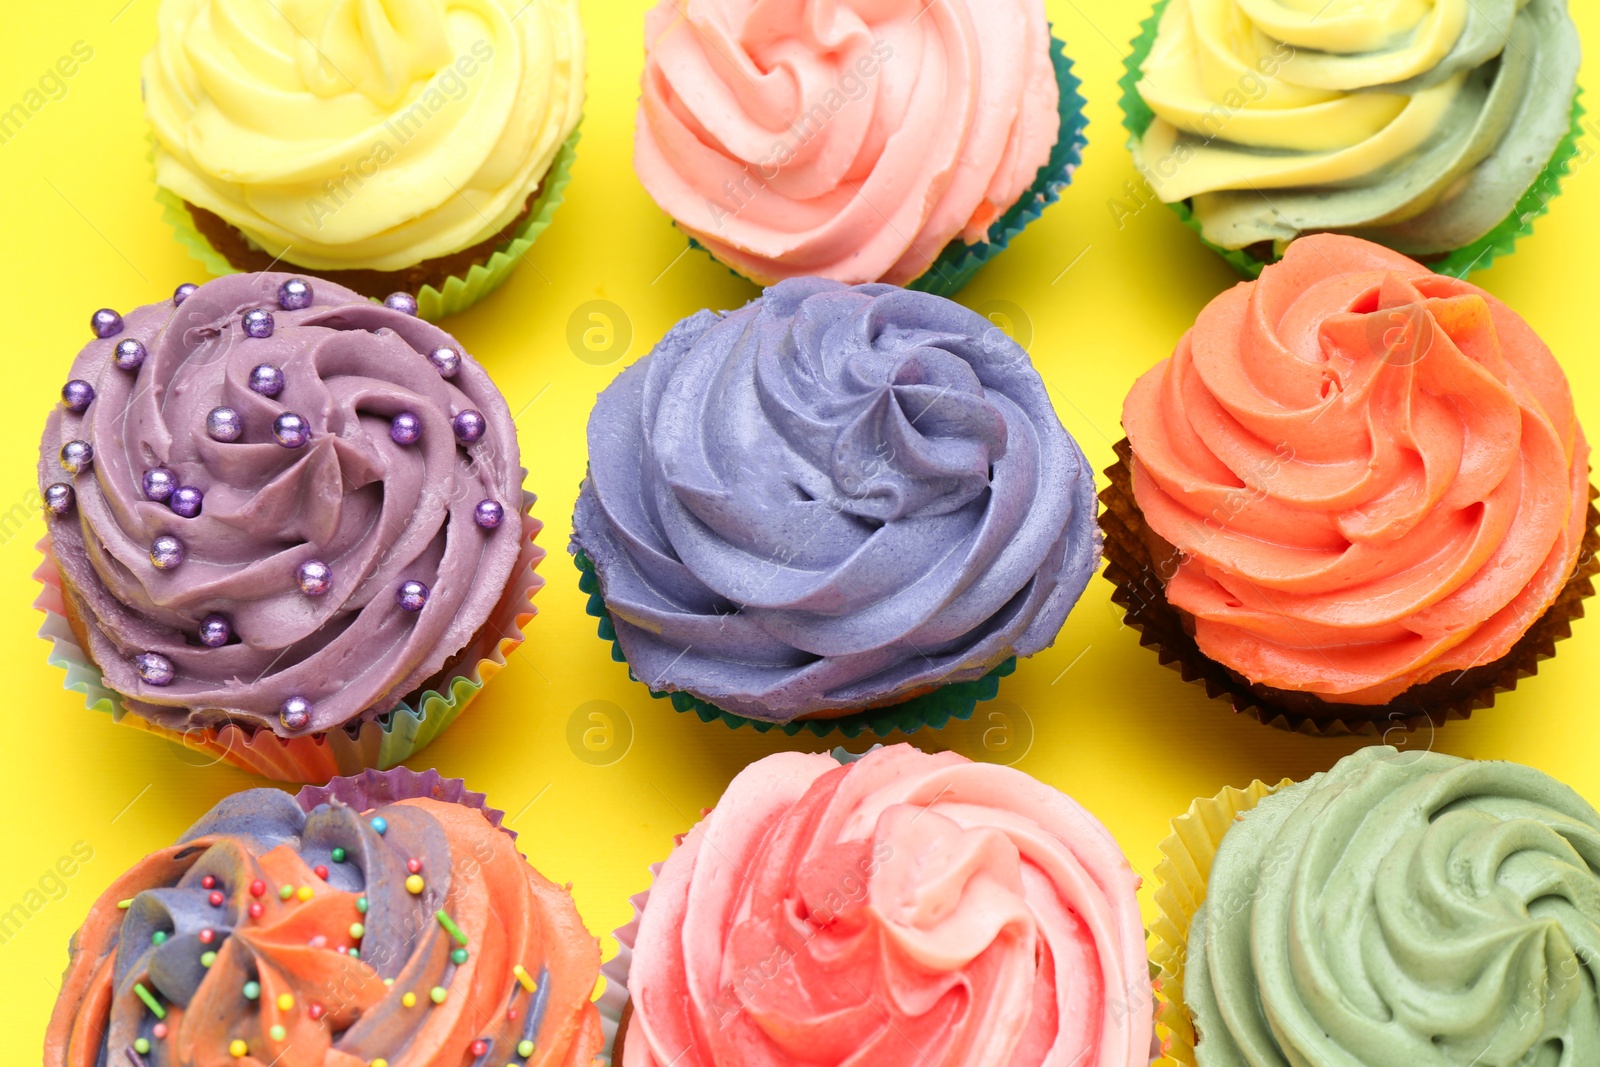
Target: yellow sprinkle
[(303, 893), (414, 884), (380, 1062), (285, 1001), (238, 1048), (523, 977), (409, 1000)]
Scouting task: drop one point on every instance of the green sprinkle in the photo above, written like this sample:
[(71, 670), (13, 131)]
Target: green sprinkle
[(141, 1046), (277, 1033), (361, 905), (149, 1000), (207, 958), (252, 990), (525, 1049), (125, 904), (458, 957), (355, 954), (388, 981), (285, 892), (337, 855), (357, 931), (437, 994), (450, 926), (159, 937)]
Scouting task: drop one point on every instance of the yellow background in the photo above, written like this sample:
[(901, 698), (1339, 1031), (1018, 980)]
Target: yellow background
[(1121, 734)]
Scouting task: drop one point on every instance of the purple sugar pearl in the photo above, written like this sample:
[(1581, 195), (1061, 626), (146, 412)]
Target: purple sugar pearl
[(469, 425), (445, 360), (267, 380), (154, 669), (183, 292), (215, 631), (105, 323), (294, 295), (314, 577), (258, 323), (166, 552), (158, 484), (185, 501), (405, 428), (129, 354), (411, 595), (489, 514), (77, 456), (224, 424), (295, 713), (404, 303), (291, 430), (59, 498), (77, 395)]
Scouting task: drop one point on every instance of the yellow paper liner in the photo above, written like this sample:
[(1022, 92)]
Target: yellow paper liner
[(378, 742), (1136, 557), (1181, 877)]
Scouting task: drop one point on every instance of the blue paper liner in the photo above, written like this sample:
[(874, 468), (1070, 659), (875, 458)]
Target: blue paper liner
[(956, 265), (957, 700), (1500, 241)]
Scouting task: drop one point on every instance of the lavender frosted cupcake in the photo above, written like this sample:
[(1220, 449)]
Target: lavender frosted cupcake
[(286, 524), (838, 505)]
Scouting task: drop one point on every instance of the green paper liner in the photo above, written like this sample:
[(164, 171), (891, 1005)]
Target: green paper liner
[(379, 742), (1132, 552), (956, 265), (459, 292), (956, 700), (1500, 241)]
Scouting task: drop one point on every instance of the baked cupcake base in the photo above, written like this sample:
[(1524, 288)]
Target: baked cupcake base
[(1135, 556)]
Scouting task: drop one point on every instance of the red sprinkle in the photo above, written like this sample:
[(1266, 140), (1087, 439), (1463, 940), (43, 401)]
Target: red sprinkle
[(414, 865), (479, 1047), (256, 910), (511, 1013), (208, 882), (315, 1011), (258, 888), (320, 871), (216, 899), (159, 1031), (207, 936)]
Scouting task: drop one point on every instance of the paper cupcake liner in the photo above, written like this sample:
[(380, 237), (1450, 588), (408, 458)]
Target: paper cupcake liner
[(1135, 555), (958, 262), (1181, 877), (372, 789), (1458, 263), (933, 709), (380, 741), (460, 292)]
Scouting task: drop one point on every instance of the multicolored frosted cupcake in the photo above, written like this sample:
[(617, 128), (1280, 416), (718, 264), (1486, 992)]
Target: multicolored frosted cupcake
[(901, 908), (1356, 495), (838, 506), (1439, 129), (386, 919), (418, 148), (1403, 908), (286, 525), (904, 141)]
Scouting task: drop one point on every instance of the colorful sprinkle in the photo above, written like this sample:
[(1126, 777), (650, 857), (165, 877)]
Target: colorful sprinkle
[(238, 1049), (414, 865), (149, 1000), (458, 957), (380, 824), (388, 981), (357, 931), (303, 894), (252, 991), (208, 882), (125, 904), (320, 871), (277, 1033), (285, 892), (479, 1047), (207, 936), (141, 1046), (258, 888), (216, 898), (438, 993), (337, 855), (450, 927), (159, 1031), (207, 959), (355, 954), (409, 1000), (523, 977), (525, 1049), (285, 1001), (315, 1011), (380, 1062), (256, 910), (361, 905), (414, 884), (159, 937)]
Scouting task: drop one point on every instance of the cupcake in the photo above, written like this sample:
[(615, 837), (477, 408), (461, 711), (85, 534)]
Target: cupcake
[(1356, 495), (1440, 130), (904, 141), (1399, 909), (417, 148), (387, 919), (286, 525), (902, 908), (842, 505)]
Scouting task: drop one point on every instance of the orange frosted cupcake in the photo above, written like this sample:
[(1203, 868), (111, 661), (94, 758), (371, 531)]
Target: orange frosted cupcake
[(1356, 494)]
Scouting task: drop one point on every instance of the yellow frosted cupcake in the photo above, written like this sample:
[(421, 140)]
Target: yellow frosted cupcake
[(416, 146)]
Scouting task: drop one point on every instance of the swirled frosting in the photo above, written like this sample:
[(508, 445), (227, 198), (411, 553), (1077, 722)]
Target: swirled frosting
[(341, 134), (1416, 123), (1403, 909), (903, 909), (851, 141), (1372, 473), (832, 497), (323, 977), (376, 512)]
